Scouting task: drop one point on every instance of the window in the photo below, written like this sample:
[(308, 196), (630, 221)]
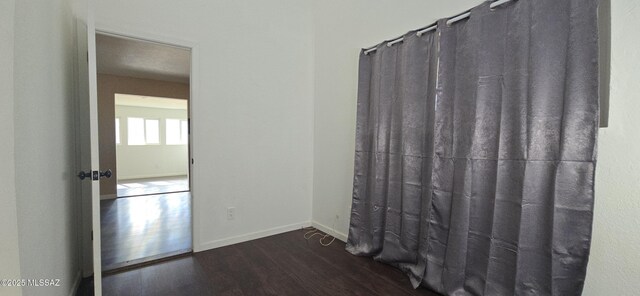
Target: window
[(152, 131), (135, 129), (117, 130), (177, 132), (143, 131)]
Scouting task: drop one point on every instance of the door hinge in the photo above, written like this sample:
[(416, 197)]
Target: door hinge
[(91, 234)]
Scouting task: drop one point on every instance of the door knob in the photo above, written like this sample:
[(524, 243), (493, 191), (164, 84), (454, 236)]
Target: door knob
[(83, 175), (94, 175), (106, 174)]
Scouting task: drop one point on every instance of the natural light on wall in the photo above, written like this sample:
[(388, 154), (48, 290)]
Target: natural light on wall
[(117, 130)]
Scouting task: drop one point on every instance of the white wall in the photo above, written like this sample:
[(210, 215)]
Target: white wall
[(9, 248), (614, 264), (342, 28), (251, 109), (154, 160), (44, 144)]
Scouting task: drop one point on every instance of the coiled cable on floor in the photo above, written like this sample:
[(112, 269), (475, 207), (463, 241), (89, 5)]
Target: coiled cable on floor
[(313, 232)]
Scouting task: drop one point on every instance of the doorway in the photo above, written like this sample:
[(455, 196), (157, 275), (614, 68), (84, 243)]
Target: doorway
[(143, 102)]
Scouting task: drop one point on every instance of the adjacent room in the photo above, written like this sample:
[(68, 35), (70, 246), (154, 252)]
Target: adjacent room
[(143, 118), (298, 147)]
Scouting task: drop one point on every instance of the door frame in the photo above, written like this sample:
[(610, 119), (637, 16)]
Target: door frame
[(132, 33)]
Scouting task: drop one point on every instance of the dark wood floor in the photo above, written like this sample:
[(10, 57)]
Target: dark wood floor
[(141, 228), (284, 264)]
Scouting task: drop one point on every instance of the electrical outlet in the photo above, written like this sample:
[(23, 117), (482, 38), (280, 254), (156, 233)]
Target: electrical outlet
[(231, 213)]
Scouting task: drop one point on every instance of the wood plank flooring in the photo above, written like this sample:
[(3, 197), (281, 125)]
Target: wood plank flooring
[(141, 228), (284, 264)]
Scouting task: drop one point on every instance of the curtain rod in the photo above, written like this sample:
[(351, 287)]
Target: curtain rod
[(433, 26)]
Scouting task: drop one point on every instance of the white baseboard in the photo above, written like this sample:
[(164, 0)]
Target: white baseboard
[(108, 196), (249, 236), (339, 235), (76, 283)]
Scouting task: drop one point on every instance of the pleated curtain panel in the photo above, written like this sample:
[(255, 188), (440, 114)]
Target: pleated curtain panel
[(476, 151)]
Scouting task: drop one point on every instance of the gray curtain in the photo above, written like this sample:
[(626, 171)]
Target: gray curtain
[(476, 150)]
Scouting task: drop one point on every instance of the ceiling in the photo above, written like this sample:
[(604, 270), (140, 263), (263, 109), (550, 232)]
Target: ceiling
[(142, 59)]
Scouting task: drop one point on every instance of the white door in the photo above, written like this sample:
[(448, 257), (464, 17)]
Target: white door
[(89, 171)]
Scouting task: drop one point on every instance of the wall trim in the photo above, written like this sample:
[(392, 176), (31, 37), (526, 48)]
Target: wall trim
[(339, 235), (249, 236), (76, 283)]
